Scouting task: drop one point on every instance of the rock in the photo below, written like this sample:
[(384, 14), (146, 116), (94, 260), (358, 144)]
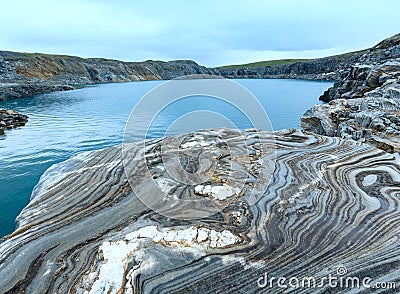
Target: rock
[(368, 71), (372, 91), (289, 219), (10, 119), (380, 74), (377, 124), (219, 192), (372, 118), (23, 75), (27, 88)]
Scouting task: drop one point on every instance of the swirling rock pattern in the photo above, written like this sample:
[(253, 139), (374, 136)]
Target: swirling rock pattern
[(369, 113), (325, 203)]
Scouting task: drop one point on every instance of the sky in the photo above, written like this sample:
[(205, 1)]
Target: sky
[(211, 32)]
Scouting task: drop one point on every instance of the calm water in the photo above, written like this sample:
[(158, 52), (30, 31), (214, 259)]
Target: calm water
[(66, 123)]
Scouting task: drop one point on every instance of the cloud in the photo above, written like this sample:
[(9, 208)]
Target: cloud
[(210, 32)]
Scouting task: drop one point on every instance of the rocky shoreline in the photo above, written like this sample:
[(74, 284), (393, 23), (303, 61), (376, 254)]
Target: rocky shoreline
[(23, 89), (26, 74), (305, 209), (288, 203), (365, 104), (10, 119)]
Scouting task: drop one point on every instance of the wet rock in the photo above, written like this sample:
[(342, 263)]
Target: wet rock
[(11, 119)]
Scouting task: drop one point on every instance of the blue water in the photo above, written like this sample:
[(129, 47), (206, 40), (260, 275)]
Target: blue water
[(62, 124)]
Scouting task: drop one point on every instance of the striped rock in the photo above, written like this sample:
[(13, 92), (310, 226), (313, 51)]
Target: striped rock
[(310, 206), (363, 106), (374, 118)]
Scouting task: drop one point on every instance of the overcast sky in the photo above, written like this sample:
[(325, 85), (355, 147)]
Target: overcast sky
[(211, 32)]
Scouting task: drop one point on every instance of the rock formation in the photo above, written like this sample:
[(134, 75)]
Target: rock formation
[(23, 74), (369, 71), (327, 68), (365, 104), (11, 119), (310, 206)]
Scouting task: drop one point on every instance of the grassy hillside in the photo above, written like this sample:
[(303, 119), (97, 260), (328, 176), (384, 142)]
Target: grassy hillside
[(265, 63)]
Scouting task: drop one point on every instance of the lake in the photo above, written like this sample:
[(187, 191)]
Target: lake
[(62, 124)]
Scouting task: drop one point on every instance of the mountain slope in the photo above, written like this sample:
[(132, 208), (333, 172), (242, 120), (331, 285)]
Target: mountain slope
[(25, 74)]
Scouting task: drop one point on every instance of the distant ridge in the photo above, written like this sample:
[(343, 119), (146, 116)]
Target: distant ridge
[(265, 63), (26, 74)]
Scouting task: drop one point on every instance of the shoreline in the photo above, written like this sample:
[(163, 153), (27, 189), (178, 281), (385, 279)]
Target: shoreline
[(29, 90), (111, 229), (14, 90), (328, 192)]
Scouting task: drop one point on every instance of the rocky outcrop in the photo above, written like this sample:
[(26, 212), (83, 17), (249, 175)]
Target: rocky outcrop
[(11, 119), (7, 71), (309, 206), (369, 71), (26, 88), (40, 73), (74, 70), (23, 74), (374, 120), (328, 68), (365, 105)]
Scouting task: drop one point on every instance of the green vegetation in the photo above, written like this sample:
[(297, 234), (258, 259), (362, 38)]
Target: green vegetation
[(347, 55), (266, 63), (338, 58)]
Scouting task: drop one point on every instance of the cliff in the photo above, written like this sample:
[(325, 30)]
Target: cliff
[(328, 68), (305, 206), (25, 74), (338, 67), (365, 104), (366, 73)]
